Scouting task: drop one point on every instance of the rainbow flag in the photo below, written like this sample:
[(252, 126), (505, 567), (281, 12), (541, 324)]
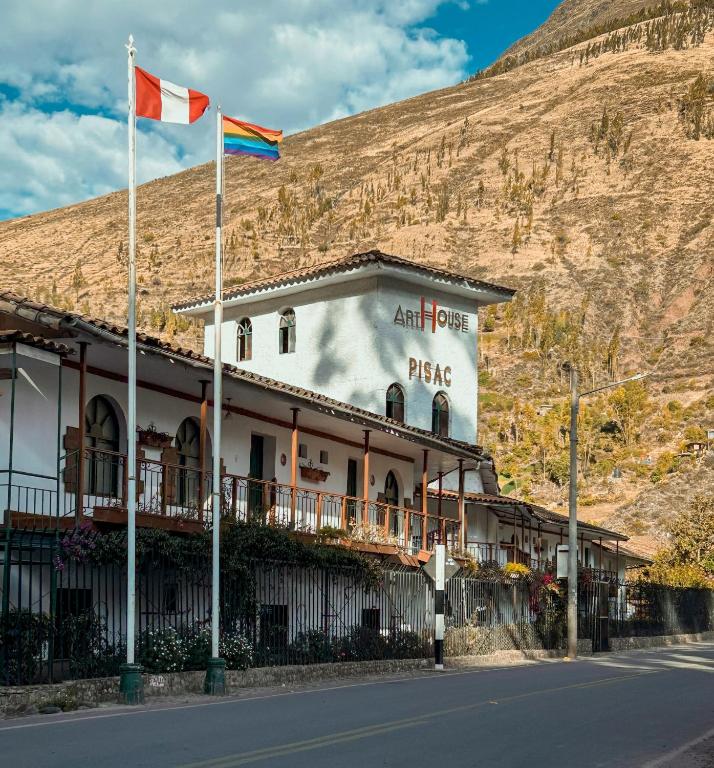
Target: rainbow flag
[(241, 138)]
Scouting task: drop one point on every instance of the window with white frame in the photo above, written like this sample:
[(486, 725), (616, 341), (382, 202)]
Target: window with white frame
[(245, 340), (286, 332)]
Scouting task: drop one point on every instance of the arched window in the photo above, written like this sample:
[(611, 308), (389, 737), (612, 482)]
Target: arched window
[(286, 332), (188, 477), (395, 403), (101, 427), (245, 339), (440, 415), (391, 490), (391, 498)]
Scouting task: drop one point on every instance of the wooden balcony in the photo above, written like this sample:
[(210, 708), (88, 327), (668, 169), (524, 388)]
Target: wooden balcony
[(179, 498)]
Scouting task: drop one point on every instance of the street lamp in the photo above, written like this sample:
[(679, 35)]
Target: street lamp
[(573, 502)]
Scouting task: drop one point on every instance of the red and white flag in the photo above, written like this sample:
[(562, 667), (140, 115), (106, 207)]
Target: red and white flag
[(161, 100)]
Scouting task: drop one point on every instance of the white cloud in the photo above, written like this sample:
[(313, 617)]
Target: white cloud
[(52, 160), (285, 63)]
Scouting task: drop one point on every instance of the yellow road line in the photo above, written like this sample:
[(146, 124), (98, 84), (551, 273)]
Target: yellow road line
[(281, 750)]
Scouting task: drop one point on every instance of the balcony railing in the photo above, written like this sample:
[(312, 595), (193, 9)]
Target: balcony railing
[(173, 495), (500, 553)]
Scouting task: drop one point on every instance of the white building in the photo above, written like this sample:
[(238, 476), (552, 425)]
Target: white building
[(350, 401)]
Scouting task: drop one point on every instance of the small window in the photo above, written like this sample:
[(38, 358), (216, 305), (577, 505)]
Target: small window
[(440, 415), (395, 403), (286, 337), (245, 340), (302, 451), (324, 457)]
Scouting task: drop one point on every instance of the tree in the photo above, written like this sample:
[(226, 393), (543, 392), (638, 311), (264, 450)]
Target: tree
[(689, 559), (630, 404), (692, 532), (516, 239)]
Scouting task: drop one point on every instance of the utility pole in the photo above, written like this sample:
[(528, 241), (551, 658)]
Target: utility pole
[(573, 518), (573, 502)]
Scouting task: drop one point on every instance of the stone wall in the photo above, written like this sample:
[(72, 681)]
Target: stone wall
[(73, 694), (657, 641), (480, 641)]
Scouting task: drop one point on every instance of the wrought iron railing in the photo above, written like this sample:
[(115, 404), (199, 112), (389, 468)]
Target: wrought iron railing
[(184, 493)]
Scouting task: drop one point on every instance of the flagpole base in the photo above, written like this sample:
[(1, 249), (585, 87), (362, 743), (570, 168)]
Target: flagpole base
[(215, 682), (131, 684)]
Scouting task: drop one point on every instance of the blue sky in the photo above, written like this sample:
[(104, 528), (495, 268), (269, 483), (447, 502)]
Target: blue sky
[(287, 64)]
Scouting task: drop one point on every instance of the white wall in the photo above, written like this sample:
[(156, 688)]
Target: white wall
[(35, 445), (349, 347)]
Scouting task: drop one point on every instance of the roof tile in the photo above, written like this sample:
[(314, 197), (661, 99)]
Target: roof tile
[(344, 264)]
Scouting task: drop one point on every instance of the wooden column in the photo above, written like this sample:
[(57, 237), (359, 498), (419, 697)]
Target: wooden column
[(365, 484), (202, 440), (515, 537), (424, 507), (294, 439), (617, 560), (600, 556), (462, 509), (81, 405), (438, 509), (530, 542), (540, 546)]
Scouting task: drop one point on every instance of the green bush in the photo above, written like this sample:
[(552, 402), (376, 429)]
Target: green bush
[(23, 635), (163, 650), (237, 650), (312, 647), (404, 644), (83, 641)]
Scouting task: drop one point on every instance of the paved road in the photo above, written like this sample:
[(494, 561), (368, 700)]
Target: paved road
[(616, 710)]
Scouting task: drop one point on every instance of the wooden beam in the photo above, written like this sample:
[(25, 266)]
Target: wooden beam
[(424, 499), (202, 435), (365, 480), (441, 488), (294, 439), (150, 386), (81, 405), (462, 508)]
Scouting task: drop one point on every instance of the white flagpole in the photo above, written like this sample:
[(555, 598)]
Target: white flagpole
[(215, 675), (131, 683)]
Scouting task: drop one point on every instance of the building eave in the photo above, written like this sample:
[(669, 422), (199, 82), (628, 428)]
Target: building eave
[(350, 268)]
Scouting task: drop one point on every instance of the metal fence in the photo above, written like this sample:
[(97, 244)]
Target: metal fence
[(641, 609), (63, 611), (487, 616), (63, 618)]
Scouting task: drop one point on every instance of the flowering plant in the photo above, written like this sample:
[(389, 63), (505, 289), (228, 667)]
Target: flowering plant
[(77, 544), (516, 570)]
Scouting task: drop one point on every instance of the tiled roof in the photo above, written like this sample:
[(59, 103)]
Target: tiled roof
[(628, 552), (540, 513), (344, 265), (548, 516), (31, 310), (39, 342)]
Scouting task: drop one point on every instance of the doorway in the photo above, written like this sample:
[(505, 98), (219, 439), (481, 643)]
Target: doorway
[(351, 490), (256, 505)]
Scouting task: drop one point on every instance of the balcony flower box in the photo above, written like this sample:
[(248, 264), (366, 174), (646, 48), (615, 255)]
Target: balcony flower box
[(152, 438), (313, 474)]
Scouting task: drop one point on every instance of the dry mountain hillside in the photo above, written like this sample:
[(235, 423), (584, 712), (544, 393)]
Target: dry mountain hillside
[(582, 177)]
